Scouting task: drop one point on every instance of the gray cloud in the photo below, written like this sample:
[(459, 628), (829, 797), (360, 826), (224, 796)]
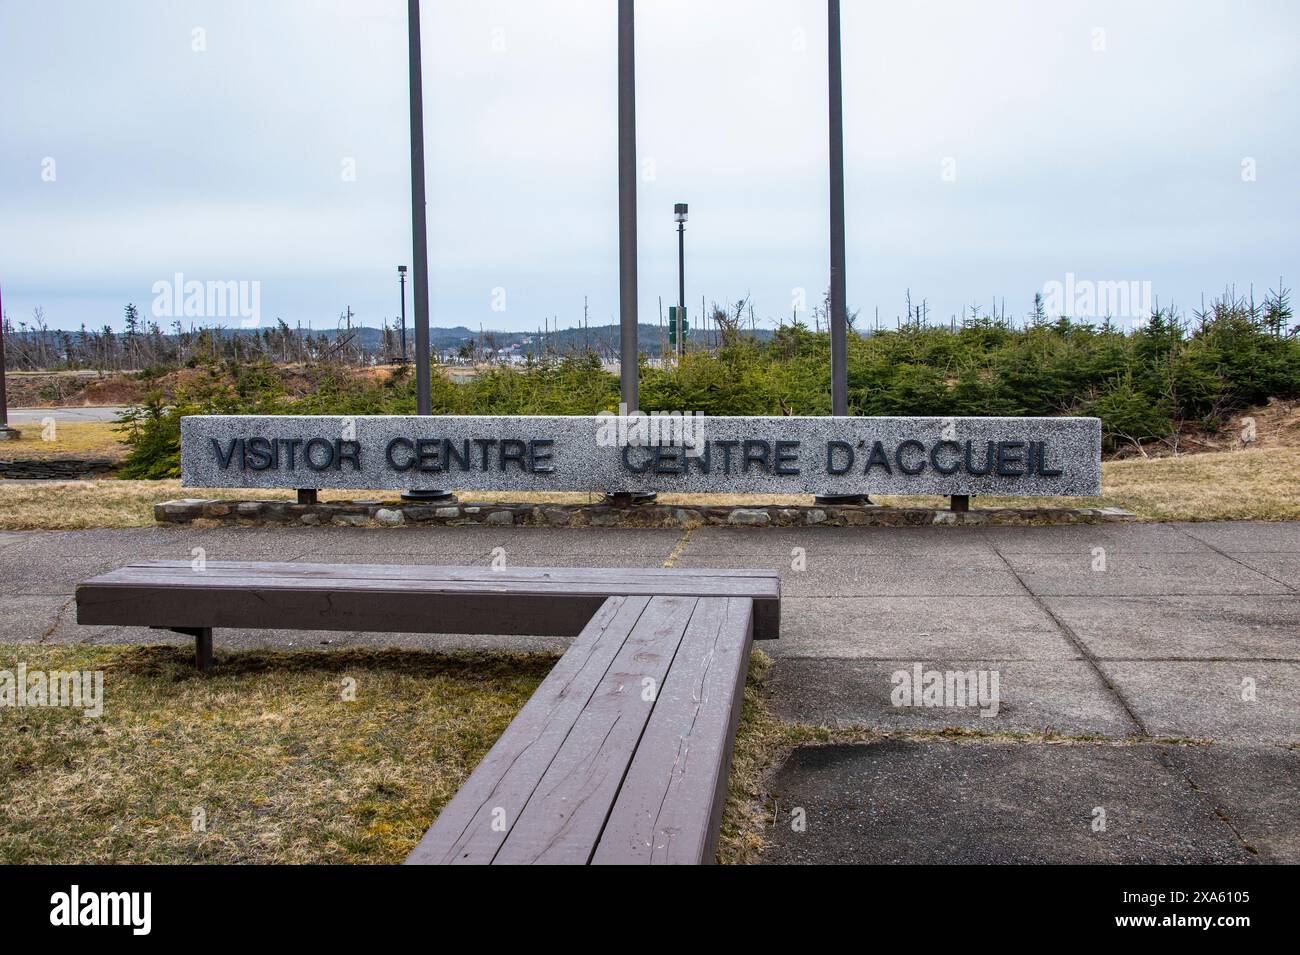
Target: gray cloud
[(227, 164)]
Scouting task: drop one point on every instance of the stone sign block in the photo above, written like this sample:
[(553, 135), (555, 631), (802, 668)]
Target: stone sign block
[(665, 453)]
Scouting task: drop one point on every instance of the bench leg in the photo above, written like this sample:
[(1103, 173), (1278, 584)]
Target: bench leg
[(202, 644), (203, 649)]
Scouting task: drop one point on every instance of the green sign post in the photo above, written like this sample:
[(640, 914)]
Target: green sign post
[(672, 325)]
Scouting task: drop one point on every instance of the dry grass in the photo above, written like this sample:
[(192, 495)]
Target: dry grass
[(282, 767), (78, 505), (66, 439)]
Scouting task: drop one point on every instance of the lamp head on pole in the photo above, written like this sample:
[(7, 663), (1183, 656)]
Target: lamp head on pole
[(401, 268), (679, 212)]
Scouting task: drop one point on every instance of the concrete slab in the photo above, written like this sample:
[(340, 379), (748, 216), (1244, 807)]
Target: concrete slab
[(133, 543), (1257, 536), (1062, 696), (838, 541), (604, 542), (602, 546), (33, 618), (819, 558), (318, 543), (1199, 627), (1283, 568), (943, 802), (10, 538), (894, 628), (1255, 788), (859, 576), (1081, 538), (1132, 574), (1203, 700), (20, 574)]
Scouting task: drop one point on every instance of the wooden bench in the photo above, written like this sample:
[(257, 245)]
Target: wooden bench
[(538, 601), (620, 756)]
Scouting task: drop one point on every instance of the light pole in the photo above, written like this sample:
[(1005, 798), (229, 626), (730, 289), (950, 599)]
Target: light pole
[(679, 213), (420, 240), (627, 305), (838, 311), (419, 231), (401, 279), (628, 355), (838, 316), (6, 433)]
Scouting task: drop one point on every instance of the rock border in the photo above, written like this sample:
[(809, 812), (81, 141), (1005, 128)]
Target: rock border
[(214, 513)]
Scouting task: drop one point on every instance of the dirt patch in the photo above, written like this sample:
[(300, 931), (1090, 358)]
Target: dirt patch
[(1274, 425)]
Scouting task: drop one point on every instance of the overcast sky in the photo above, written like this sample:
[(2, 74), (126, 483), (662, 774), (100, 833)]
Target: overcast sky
[(991, 147)]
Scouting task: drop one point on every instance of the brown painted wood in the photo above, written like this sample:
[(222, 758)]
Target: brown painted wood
[(255, 606), (669, 809), (594, 768), (563, 818), (203, 649), (503, 782), (419, 599)]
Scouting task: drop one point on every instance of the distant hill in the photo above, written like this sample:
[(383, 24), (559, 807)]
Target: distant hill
[(601, 338), (34, 349)]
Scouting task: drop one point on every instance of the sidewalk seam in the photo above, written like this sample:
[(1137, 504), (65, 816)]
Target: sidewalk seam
[(1204, 797), (1092, 659), (1242, 564)]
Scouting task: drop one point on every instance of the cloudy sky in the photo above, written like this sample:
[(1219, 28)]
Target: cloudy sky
[(991, 148)]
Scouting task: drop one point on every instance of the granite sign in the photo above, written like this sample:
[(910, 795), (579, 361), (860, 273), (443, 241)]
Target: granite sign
[(683, 453)]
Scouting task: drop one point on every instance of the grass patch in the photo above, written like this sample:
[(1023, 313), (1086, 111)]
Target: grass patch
[(66, 439), (285, 770), (79, 505)]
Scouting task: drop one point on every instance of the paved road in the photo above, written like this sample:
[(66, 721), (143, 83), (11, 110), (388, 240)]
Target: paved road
[(20, 416), (1168, 654)]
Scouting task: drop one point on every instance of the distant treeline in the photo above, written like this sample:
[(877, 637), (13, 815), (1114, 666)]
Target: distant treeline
[(1143, 383), (30, 345)]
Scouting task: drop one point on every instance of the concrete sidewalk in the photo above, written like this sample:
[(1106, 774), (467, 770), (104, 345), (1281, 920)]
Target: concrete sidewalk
[(1168, 656)]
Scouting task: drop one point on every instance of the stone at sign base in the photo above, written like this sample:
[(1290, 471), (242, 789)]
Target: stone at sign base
[(211, 512), (9, 434)]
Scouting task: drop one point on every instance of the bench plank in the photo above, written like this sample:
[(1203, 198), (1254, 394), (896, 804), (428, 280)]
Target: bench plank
[(512, 769), (435, 572), (669, 809), (566, 813), (279, 595)]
